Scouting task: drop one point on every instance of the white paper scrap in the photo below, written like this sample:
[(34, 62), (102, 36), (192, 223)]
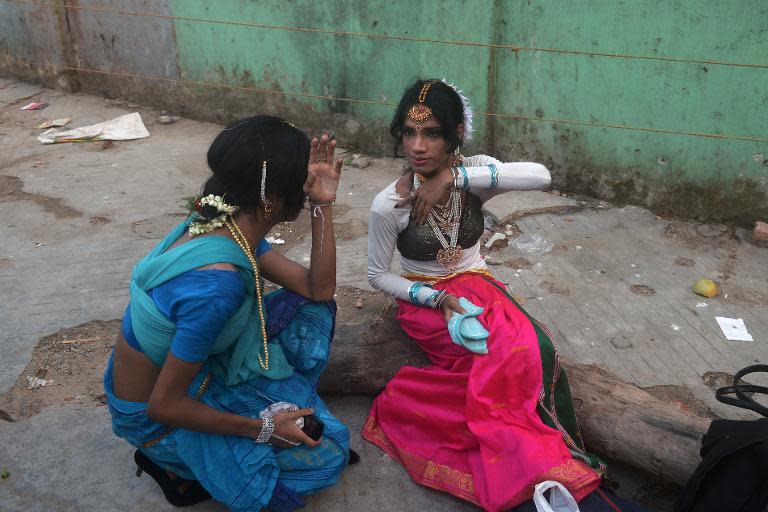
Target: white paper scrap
[(734, 329), (127, 127)]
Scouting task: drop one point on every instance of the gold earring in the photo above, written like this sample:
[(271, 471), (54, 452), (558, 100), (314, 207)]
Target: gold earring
[(267, 209)]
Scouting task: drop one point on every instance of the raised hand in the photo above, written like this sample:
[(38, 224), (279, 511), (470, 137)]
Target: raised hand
[(323, 173)]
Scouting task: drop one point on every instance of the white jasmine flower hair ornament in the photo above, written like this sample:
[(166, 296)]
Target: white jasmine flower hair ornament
[(467, 111)]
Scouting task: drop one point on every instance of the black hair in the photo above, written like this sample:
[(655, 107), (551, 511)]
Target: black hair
[(236, 155), (445, 104)]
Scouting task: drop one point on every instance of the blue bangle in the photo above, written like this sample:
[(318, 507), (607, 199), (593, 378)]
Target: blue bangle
[(465, 177), (494, 176), (413, 292)]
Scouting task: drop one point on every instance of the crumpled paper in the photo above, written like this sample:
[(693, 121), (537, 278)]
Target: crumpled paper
[(127, 127)]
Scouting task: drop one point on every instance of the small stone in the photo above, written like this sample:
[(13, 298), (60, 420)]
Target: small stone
[(359, 303), (167, 119), (361, 162), (760, 234), (4, 474)]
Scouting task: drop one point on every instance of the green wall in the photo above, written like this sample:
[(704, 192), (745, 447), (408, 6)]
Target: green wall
[(661, 102), (375, 70)]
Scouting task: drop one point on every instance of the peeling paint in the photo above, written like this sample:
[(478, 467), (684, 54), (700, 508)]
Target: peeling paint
[(268, 69)]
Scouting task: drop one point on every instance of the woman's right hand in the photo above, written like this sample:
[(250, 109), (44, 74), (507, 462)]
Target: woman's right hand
[(285, 427), (450, 305), (323, 172)]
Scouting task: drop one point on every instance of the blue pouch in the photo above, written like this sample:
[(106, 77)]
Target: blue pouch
[(466, 330)]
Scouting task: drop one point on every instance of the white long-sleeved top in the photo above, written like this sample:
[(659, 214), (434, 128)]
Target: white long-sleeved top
[(481, 175)]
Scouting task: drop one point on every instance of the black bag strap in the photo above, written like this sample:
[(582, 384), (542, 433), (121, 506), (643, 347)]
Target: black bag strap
[(740, 390)]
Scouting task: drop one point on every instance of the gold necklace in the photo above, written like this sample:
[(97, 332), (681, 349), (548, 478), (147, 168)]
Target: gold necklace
[(450, 220), (245, 246)]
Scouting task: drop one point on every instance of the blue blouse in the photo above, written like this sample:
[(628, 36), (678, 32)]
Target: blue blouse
[(199, 302)]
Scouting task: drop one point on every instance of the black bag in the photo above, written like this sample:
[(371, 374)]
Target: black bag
[(733, 474)]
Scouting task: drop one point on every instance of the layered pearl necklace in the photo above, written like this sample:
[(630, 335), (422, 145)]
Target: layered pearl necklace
[(246, 247), (445, 219)]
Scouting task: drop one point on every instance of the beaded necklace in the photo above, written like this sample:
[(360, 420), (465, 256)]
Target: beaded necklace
[(445, 218), (245, 246)]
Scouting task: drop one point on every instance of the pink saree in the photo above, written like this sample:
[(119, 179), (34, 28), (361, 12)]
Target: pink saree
[(474, 425)]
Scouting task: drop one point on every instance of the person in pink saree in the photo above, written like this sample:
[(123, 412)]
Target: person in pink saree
[(492, 416)]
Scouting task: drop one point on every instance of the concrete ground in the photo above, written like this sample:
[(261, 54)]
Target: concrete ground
[(615, 289)]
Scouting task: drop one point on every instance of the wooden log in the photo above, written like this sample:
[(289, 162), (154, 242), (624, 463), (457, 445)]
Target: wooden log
[(619, 421)]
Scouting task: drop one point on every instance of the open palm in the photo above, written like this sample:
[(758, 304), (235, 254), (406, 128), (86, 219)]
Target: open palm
[(323, 173)]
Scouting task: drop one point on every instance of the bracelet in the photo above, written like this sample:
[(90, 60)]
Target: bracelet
[(267, 430), (465, 178), (286, 441), (413, 292), (443, 295), (434, 299), (312, 206), (494, 176)]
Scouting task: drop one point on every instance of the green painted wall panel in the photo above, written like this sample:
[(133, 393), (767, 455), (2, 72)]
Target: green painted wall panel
[(637, 94), (733, 31), (543, 75), (326, 64)]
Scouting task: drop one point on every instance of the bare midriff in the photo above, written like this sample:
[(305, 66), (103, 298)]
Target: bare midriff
[(133, 374)]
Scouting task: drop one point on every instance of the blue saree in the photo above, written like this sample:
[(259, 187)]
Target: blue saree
[(236, 471)]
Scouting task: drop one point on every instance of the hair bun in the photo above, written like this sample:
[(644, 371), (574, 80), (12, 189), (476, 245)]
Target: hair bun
[(214, 186)]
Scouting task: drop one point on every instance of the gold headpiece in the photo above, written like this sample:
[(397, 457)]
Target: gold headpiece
[(420, 112)]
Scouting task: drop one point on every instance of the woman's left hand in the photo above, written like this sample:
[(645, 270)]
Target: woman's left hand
[(323, 173), (429, 193)]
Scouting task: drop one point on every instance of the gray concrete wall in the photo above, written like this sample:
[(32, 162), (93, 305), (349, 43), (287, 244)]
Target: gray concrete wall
[(30, 42)]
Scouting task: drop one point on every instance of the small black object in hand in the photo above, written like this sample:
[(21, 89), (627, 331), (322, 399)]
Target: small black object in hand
[(313, 427)]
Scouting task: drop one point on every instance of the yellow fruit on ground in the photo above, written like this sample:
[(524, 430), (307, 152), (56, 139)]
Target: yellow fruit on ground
[(706, 287)]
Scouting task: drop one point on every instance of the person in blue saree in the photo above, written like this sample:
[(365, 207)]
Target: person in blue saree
[(212, 380)]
